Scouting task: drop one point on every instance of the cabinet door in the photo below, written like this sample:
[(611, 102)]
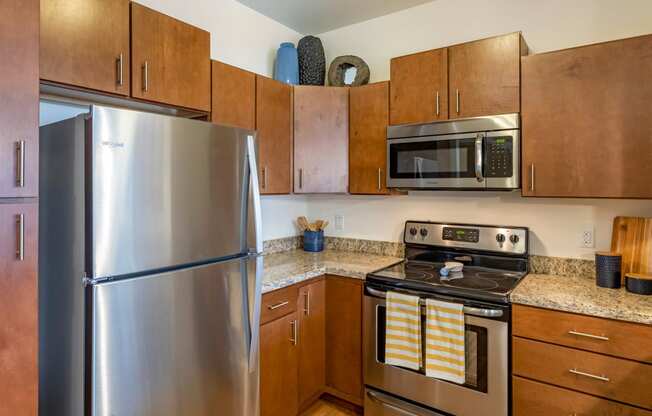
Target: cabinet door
[(419, 87), (19, 96), (170, 60), (19, 309), (279, 367), (485, 76), (587, 130), (274, 135), (344, 338), (312, 348), (368, 138), (234, 96), (321, 139), (86, 44)]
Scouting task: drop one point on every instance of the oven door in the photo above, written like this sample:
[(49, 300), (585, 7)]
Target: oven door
[(445, 162), (485, 392)]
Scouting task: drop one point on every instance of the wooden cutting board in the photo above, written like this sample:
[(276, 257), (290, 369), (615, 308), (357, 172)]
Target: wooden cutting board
[(632, 237)]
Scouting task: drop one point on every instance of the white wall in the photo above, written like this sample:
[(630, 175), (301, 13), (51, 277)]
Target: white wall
[(546, 25)]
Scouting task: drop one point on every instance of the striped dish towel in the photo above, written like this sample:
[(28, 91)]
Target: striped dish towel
[(445, 341), (403, 331)]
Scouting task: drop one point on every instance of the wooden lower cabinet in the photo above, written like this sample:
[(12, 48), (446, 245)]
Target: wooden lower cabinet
[(344, 338), (532, 398), (19, 309), (279, 367), (312, 342)]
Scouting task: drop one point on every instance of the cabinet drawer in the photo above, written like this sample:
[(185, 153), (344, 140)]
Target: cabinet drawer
[(621, 339), (613, 378), (532, 398), (278, 303)]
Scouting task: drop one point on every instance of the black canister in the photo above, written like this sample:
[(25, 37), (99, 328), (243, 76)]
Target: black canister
[(607, 269)]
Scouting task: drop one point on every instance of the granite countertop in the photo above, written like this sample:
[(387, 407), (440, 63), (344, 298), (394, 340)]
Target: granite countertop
[(290, 267), (581, 295)]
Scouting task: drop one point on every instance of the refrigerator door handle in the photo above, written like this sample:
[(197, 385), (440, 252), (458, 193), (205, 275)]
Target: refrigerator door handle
[(255, 191), (254, 344)]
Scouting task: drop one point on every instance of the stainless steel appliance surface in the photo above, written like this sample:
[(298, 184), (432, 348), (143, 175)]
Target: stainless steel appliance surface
[(495, 259), (479, 153), (150, 273)]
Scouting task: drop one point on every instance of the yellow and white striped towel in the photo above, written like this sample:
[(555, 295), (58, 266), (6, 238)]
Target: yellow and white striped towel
[(403, 331), (445, 341)]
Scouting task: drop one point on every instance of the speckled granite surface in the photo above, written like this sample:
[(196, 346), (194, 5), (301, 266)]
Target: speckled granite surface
[(581, 295), (382, 248), (287, 268), (561, 266)]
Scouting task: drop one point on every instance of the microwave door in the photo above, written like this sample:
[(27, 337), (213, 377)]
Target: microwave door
[(502, 159), (436, 162)]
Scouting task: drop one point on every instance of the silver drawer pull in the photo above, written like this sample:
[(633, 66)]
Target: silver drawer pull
[(20, 164), (278, 305), (20, 225), (589, 375), (294, 340), (584, 334), (399, 406)]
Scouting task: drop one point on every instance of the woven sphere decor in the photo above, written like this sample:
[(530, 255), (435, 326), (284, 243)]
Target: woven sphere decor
[(339, 66), (312, 61)]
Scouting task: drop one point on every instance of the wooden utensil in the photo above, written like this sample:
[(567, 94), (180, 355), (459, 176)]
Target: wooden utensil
[(632, 237), (303, 223)]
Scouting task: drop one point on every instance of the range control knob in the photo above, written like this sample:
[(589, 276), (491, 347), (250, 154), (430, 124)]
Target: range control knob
[(500, 238), (423, 232), (514, 239), (413, 231)]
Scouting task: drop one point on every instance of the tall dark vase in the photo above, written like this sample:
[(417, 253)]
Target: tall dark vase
[(312, 61)]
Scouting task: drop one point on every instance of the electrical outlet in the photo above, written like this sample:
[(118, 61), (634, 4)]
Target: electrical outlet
[(339, 222), (587, 238)]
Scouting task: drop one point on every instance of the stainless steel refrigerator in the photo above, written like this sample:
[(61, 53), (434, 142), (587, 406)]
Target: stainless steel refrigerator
[(149, 274)]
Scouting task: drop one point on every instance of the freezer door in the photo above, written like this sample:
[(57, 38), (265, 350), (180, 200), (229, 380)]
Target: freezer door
[(178, 343), (165, 191)]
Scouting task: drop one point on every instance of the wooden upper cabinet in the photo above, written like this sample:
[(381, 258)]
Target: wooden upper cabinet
[(312, 342), (368, 118), (321, 139), (586, 123), (86, 44), (18, 303), (419, 87), (484, 76), (234, 96), (170, 60), (274, 135), (19, 98)]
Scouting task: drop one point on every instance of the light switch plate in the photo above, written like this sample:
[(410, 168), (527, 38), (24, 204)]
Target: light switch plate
[(339, 222)]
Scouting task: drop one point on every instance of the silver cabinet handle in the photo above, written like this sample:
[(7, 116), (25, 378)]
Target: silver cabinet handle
[(589, 375), (306, 303), (20, 164), (437, 104), (300, 178), (584, 334), (399, 406), (380, 173), (278, 305), (265, 177), (294, 340), (119, 70), (20, 246), (532, 178), (479, 141), (145, 76), (457, 101)]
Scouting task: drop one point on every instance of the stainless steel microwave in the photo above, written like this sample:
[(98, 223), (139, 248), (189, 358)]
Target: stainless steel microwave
[(479, 153)]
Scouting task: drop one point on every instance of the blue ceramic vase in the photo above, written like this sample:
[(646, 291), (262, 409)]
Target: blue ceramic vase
[(286, 68)]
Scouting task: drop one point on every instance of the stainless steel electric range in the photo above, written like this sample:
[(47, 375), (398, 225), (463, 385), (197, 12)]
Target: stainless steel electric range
[(494, 259)]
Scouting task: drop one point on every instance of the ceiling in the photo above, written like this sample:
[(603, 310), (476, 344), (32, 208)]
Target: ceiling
[(319, 16)]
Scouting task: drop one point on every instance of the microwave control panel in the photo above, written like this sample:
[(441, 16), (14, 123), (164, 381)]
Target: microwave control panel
[(499, 156)]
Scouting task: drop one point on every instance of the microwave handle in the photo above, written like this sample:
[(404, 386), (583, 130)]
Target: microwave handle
[(479, 156)]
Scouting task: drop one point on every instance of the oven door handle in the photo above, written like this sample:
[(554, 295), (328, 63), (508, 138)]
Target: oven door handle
[(468, 310), (398, 405), (479, 156)]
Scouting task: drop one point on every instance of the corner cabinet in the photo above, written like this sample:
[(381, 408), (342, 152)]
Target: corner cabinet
[(233, 96), (484, 76), (274, 134), (170, 60), (86, 44), (312, 342), (368, 117), (587, 130), (321, 139)]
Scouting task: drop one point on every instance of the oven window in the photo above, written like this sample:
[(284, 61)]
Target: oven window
[(476, 350), (453, 158)]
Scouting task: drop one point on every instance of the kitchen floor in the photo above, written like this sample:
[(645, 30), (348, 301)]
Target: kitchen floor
[(326, 408)]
